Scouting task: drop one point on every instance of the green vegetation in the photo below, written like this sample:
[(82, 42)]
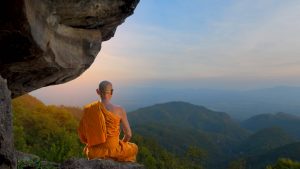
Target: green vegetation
[(47, 131), (174, 135), (190, 116), (260, 161), (290, 123), (178, 125), (35, 164), (154, 156), (237, 164), (50, 132), (285, 163), (264, 140)]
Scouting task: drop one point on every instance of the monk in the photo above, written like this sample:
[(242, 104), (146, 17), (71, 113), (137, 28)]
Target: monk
[(99, 129)]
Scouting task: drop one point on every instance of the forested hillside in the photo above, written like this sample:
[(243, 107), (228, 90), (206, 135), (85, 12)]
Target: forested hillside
[(290, 123), (174, 135), (51, 133), (290, 151), (264, 140), (47, 131), (179, 125), (223, 142)]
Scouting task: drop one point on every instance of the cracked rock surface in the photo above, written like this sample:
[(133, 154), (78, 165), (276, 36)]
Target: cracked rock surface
[(48, 42), (7, 159), (98, 164)]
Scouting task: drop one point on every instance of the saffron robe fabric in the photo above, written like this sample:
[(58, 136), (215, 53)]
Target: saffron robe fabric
[(99, 129)]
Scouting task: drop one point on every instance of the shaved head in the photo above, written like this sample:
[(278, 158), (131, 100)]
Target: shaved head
[(105, 87)]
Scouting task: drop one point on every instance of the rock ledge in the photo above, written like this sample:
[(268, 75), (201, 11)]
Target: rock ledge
[(98, 164), (30, 161)]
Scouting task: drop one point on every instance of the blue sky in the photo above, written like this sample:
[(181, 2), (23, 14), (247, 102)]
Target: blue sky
[(198, 43)]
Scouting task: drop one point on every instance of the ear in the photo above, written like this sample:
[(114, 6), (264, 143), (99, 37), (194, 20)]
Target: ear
[(98, 92)]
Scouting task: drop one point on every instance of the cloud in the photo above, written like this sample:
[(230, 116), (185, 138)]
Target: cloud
[(248, 40), (240, 43), (237, 46)]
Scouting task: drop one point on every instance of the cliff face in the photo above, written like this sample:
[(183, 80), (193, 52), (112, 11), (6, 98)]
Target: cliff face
[(47, 42), (7, 159)]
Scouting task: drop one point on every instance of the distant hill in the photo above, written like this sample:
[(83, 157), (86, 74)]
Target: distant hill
[(239, 104), (263, 141), (28, 101), (177, 125), (290, 123), (176, 134), (188, 116), (291, 151)]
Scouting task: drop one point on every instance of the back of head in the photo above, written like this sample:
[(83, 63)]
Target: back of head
[(105, 87)]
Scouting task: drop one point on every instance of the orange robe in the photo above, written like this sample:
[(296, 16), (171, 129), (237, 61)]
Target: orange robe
[(99, 129)]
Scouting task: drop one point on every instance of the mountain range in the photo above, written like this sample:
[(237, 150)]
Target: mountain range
[(239, 104), (178, 125), (177, 130), (290, 123), (291, 151)]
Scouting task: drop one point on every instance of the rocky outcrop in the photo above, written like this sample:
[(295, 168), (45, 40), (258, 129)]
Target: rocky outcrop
[(31, 161), (47, 42), (98, 164), (7, 160)]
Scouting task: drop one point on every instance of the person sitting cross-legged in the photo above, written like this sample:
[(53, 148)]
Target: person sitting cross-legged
[(99, 129)]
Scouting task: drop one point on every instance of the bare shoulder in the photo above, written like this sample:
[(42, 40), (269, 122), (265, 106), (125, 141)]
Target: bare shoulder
[(119, 109)]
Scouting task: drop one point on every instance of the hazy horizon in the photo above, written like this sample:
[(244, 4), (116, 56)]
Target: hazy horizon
[(232, 45)]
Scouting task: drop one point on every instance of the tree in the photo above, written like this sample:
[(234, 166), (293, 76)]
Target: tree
[(195, 156), (46, 131), (284, 163), (237, 164)]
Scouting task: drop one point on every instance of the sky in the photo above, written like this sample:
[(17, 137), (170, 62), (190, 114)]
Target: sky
[(232, 44)]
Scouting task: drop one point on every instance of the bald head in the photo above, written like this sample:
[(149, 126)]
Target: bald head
[(104, 88)]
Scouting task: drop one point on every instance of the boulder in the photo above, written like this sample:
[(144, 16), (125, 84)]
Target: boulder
[(99, 164), (31, 161)]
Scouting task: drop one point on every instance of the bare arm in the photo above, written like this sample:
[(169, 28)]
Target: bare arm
[(125, 126)]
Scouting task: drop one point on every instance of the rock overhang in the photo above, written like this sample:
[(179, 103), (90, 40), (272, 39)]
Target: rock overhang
[(48, 42)]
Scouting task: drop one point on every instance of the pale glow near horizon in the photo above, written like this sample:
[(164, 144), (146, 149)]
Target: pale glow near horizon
[(241, 44)]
